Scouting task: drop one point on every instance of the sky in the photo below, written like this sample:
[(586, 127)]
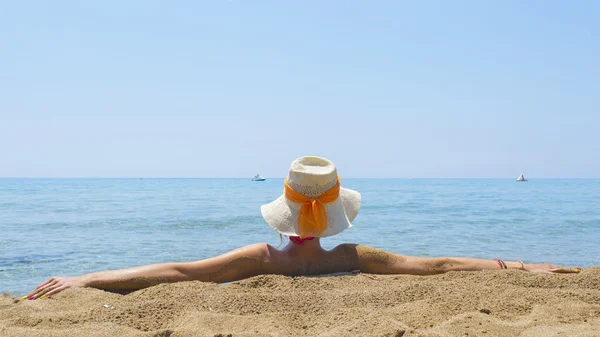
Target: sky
[(385, 89)]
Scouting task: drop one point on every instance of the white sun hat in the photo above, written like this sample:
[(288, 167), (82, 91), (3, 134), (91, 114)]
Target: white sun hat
[(315, 181)]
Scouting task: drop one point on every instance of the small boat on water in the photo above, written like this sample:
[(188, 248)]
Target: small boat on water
[(258, 177), (521, 178)]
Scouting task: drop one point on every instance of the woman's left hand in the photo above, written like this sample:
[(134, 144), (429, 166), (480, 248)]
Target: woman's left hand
[(55, 285), (549, 269)]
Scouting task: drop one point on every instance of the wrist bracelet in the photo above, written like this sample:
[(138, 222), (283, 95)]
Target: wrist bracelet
[(501, 263)]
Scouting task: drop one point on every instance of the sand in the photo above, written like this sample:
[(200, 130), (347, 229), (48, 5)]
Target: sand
[(487, 303)]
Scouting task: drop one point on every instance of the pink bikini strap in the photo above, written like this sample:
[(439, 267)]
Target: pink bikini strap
[(300, 241)]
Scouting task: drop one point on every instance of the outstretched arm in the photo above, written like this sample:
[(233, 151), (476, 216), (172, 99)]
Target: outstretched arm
[(235, 265), (377, 261)]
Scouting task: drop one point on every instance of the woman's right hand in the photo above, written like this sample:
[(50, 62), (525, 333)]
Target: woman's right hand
[(56, 285)]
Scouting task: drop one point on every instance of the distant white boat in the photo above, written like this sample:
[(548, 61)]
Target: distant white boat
[(521, 178), (258, 177)]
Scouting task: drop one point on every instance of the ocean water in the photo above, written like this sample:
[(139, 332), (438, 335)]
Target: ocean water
[(55, 227)]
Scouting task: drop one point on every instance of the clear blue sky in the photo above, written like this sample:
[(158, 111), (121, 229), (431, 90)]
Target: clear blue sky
[(232, 88)]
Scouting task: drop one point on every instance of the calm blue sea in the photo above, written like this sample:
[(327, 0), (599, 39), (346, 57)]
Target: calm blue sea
[(52, 227)]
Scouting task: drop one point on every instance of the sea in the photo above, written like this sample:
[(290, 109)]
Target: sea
[(61, 227)]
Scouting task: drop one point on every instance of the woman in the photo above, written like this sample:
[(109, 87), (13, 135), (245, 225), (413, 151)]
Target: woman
[(313, 206)]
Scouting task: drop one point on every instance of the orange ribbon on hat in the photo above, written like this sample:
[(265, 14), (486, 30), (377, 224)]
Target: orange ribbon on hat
[(312, 216)]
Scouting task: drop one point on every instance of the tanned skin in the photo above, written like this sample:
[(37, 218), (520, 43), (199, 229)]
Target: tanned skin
[(292, 260)]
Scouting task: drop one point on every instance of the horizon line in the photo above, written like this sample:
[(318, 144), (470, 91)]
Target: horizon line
[(250, 178)]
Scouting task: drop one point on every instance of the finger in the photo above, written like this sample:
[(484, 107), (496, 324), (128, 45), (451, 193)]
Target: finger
[(52, 279), (43, 292), (37, 291), (54, 291), (45, 283), (48, 285), (561, 270)]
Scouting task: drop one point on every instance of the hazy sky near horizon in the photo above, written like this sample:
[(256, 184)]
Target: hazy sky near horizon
[(232, 88)]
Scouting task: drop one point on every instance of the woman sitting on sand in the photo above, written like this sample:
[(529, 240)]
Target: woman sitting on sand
[(313, 206)]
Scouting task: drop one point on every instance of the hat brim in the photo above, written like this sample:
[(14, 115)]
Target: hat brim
[(282, 214)]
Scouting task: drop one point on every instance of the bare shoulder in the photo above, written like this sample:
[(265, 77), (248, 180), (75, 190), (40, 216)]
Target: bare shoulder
[(378, 261), (376, 255), (260, 250), (364, 258), (345, 248), (234, 265), (257, 249), (365, 252)]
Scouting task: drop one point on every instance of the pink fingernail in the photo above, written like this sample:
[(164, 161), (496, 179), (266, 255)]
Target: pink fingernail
[(31, 298)]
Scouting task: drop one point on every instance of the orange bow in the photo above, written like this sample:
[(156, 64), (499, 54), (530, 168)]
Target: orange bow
[(312, 216)]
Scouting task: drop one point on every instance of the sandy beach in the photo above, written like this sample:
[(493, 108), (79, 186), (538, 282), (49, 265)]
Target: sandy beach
[(488, 303)]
